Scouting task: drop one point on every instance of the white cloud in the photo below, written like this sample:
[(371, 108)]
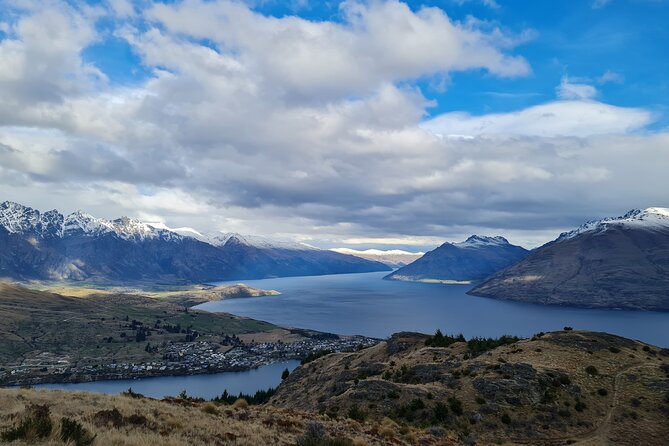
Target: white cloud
[(307, 129), (558, 118), (597, 4), (611, 77), (571, 90)]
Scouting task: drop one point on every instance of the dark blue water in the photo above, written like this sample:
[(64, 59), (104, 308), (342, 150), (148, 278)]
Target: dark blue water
[(201, 386), (364, 304)]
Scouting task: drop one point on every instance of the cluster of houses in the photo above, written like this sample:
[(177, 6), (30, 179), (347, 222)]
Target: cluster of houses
[(179, 358)]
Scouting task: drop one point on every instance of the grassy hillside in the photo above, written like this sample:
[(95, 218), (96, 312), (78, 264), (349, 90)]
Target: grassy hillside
[(46, 328), (122, 420), (557, 388)]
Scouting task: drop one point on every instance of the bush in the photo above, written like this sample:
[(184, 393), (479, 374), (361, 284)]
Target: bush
[(441, 340), (315, 435), (315, 355), (580, 406), (36, 424), (614, 349), (440, 412), (210, 409), (602, 392), (480, 345), (285, 374), (131, 394), (480, 400), (241, 403), (72, 431), (506, 419), (455, 405), (591, 370), (355, 413)]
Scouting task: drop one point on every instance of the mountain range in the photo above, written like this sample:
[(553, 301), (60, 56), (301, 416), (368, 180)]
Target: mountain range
[(394, 258), (471, 260), (79, 246), (620, 262)]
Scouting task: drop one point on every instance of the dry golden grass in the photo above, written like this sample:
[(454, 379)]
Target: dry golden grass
[(180, 422)]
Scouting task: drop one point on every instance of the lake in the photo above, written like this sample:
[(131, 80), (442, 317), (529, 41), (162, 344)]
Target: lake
[(367, 305), (201, 386)]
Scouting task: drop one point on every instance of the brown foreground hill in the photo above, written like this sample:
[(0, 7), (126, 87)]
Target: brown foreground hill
[(558, 388), (570, 387)]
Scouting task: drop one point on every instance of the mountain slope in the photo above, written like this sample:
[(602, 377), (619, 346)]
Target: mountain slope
[(394, 258), (50, 246), (618, 262), (474, 259), (569, 387)]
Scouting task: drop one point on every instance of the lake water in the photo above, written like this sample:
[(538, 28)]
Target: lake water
[(201, 386), (367, 305)]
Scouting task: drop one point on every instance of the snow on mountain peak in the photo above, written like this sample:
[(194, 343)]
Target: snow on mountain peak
[(650, 218), (478, 241)]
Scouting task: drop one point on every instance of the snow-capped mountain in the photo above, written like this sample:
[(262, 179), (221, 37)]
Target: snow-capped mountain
[(618, 262), (394, 258), (651, 218), (471, 260), (80, 246)]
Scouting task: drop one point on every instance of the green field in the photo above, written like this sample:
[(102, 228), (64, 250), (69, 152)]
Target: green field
[(102, 328)]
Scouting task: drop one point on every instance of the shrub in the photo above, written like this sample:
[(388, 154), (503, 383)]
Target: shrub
[(568, 328), (591, 370), (455, 405), (315, 435), (315, 355), (646, 348), (602, 392), (480, 400), (441, 340), (285, 374), (480, 345), (614, 349), (506, 419), (580, 406), (416, 404), (36, 424), (210, 409), (72, 431), (355, 413), (241, 403), (440, 412), (131, 394)]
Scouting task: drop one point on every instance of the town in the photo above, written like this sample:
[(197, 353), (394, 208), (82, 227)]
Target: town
[(179, 358)]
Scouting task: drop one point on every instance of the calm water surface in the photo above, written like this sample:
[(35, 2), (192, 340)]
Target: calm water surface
[(367, 305), (201, 386)]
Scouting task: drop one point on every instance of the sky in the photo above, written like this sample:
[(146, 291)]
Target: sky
[(361, 124)]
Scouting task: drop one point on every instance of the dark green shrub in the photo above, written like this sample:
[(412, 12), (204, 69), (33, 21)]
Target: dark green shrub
[(36, 424), (455, 405), (416, 404), (614, 349), (355, 413), (72, 431), (591, 370), (441, 340), (602, 392), (506, 419), (580, 406), (440, 412), (480, 400)]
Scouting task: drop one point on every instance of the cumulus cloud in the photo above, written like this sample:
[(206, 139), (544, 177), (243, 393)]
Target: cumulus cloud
[(310, 129)]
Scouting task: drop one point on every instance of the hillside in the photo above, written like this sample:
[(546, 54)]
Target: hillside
[(127, 421), (618, 262), (394, 258), (557, 388), (81, 247), (471, 260)]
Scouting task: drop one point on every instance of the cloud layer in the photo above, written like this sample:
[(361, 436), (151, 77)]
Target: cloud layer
[(313, 129)]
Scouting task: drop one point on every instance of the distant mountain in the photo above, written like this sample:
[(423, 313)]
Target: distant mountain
[(620, 262), (474, 259), (79, 246), (394, 258)]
